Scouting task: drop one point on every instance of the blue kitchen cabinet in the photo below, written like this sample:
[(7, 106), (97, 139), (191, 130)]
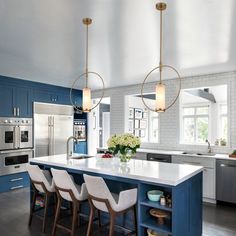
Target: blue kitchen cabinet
[(17, 96), (57, 96), (15, 101), (6, 100), (14, 181), (77, 97), (45, 96), (81, 147), (23, 101)]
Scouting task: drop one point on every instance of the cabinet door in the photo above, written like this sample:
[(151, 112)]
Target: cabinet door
[(81, 148), (63, 98), (44, 96), (77, 97), (208, 173), (6, 100), (23, 102), (209, 183)]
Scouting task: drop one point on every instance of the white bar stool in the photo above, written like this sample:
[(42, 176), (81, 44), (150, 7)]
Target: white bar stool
[(68, 190), (102, 199), (42, 183)]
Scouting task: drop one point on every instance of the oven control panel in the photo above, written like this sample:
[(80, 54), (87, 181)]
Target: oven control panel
[(15, 121)]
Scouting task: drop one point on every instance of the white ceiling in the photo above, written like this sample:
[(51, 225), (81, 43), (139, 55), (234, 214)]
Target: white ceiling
[(45, 40)]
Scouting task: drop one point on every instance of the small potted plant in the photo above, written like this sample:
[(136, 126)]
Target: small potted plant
[(233, 155), (125, 145), (223, 142)]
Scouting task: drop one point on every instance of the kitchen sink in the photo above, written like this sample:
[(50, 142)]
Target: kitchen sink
[(199, 153), (80, 156)]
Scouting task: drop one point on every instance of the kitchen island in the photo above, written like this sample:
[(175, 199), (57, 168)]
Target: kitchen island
[(183, 183)]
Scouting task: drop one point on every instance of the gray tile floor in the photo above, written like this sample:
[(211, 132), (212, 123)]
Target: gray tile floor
[(218, 220)]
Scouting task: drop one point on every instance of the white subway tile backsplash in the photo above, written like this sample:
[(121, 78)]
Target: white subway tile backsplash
[(169, 121)]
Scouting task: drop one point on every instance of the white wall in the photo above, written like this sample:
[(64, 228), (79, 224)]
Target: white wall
[(169, 121)]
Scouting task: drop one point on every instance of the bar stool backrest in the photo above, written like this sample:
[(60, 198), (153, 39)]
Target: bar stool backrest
[(38, 175), (64, 181), (97, 188)]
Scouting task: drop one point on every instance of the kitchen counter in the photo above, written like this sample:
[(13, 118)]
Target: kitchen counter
[(182, 182), (180, 153), (157, 172)]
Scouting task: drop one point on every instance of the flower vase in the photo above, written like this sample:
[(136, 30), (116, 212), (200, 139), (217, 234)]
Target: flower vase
[(125, 157)]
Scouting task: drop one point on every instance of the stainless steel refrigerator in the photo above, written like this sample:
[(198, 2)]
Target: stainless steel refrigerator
[(53, 124)]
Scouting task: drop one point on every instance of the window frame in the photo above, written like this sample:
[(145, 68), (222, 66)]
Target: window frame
[(150, 118), (220, 116), (194, 116)]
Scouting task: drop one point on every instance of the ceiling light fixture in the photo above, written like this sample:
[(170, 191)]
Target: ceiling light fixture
[(160, 105), (86, 98)]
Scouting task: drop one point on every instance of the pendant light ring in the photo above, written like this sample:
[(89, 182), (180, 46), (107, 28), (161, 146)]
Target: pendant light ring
[(146, 78), (79, 77)]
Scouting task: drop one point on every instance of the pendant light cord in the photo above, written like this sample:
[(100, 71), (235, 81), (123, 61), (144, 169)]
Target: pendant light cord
[(86, 69), (160, 63)]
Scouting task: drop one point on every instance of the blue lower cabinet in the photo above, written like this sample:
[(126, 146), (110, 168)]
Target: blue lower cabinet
[(184, 215), (81, 148), (14, 181)]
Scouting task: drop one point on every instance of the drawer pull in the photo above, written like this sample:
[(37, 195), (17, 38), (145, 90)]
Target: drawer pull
[(14, 180), (16, 187), (226, 165), (192, 163)]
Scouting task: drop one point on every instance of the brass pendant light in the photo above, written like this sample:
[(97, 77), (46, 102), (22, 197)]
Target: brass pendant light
[(160, 90), (86, 98)]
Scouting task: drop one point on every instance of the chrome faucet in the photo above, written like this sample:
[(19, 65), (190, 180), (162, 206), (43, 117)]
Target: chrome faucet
[(69, 153), (209, 146)]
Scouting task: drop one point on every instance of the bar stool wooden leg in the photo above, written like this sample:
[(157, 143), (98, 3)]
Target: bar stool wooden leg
[(90, 224), (135, 220), (45, 212), (55, 202), (112, 224), (74, 219), (56, 216), (32, 208), (78, 220), (99, 219)]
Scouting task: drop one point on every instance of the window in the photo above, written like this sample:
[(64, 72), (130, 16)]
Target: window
[(223, 132), (204, 115), (154, 127), (139, 120), (195, 124)]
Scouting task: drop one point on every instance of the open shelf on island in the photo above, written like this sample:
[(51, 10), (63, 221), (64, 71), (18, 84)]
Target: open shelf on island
[(156, 205), (152, 224)]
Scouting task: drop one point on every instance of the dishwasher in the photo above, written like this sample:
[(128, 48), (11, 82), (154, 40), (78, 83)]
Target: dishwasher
[(225, 177), (159, 157)]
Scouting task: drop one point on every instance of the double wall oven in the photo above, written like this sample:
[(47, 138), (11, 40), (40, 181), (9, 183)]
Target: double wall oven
[(16, 135)]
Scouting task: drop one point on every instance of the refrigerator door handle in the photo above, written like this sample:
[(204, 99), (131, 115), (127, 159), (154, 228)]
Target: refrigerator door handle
[(18, 137), (49, 135), (53, 141), (14, 137)]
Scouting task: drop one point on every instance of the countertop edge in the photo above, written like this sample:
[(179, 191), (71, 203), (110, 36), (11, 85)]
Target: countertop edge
[(134, 177)]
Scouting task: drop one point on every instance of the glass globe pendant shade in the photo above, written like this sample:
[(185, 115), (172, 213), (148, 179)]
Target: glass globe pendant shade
[(87, 103), (160, 97)]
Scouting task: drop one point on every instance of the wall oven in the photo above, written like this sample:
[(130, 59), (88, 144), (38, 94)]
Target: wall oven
[(14, 161), (15, 133)]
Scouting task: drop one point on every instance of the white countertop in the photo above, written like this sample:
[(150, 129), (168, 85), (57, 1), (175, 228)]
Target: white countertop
[(155, 172), (180, 153)]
